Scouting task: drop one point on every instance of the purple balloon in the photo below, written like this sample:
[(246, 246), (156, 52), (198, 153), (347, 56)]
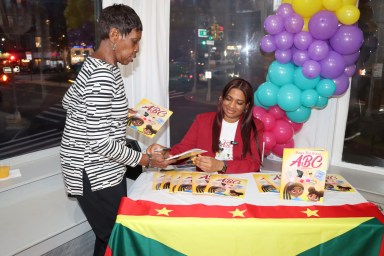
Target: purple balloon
[(299, 57), (323, 24), (302, 40), (332, 66), (294, 23), (274, 24), (342, 84), (267, 43), (284, 40), (350, 70), (283, 56), (318, 50), (285, 10), (351, 59), (347, 39), (311, 68)]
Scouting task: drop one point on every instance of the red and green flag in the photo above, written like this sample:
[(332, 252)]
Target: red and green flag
[(145, 228)]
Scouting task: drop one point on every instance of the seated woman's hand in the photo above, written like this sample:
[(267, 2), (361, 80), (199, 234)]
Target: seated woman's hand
[(208, 164)]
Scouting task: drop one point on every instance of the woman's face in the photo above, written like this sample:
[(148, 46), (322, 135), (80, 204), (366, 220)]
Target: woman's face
[(234, 105), (127, 46)]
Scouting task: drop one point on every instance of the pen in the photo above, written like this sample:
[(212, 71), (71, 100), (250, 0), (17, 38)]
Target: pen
[(162, 149)]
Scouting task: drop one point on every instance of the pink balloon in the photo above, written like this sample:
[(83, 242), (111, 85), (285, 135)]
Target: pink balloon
[(267, 152), (269, 140), (277, 112), (278, 149), (283, 131), (258, 112), (269, 121), (296, 126)]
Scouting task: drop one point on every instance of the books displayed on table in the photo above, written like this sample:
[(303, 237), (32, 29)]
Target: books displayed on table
[(147, 118), (188, 154), (267, 182), (337, 182), (225, 185), (303, 174)]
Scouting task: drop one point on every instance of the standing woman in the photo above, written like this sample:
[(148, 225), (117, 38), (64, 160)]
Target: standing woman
[(93, 152), (231, 135)]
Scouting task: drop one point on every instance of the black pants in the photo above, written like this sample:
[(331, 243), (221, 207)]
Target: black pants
[(100, 208)]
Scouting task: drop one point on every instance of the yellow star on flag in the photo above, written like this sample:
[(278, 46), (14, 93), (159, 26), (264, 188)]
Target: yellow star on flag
[(310, 213), (237, 213), (163, 211)]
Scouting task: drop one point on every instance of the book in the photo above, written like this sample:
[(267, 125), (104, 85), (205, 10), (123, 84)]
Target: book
[(166, 182), (175, 176), (157, 180), (225, 185), (147, 118), (199, 182), (184, 183), (267, 182), (303, 174), (337, 182), (187, 154)]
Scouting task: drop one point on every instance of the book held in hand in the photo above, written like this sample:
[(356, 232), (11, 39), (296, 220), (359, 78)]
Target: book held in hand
[(147, 118), (303, 174), (187, 154)]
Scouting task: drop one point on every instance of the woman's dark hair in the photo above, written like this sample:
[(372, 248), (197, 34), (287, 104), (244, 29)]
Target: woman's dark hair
[(119, 16), (248, 126)]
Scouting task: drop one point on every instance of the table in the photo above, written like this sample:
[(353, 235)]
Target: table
[(160, 223)]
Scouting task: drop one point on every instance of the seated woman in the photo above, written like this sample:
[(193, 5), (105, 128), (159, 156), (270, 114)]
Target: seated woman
[(232, 136)]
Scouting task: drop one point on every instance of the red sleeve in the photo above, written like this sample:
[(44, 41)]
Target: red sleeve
[(190, 139)]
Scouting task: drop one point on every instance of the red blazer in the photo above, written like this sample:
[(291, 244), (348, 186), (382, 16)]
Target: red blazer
[(199, 135)]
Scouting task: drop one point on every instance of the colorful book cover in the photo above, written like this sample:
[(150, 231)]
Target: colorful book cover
[(157, 180), (188, 154), (267, 182), (303, 174), (174, 181), (147, 118), (166, 183), (225, 185), (184, 183), (337, 182), (199, 182)]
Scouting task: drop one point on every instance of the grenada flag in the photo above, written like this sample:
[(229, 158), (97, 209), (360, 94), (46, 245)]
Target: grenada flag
[(145, 228)]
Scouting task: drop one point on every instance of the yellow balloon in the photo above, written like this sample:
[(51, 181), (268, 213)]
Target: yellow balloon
[(348, 14), (306, 8), (286, 2), (351, 2), (305, 27), (332, 5)]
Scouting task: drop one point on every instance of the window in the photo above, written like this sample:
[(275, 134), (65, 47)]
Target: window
[(42, 45)]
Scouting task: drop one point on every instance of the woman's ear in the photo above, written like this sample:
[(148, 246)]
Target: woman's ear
[(114, 35)]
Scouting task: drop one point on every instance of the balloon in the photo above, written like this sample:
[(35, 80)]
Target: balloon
[(296, 126), (278, 149), (277, 112), (326, 88), (302, 40), (283, 56), (258, 112), (351, 58), (284, 40), (283, 131), (280, 73), (269, 121), (303, 82), (288, 97), (332, 5), (286, 1), (350, 70), (293, 23), (348, 14), (274, 24), (347, 39), (299, 57), (352, 2), (269, 140), (306, 8), (309, 98), (284, 10), (267, 94), (322, 102), (257, 103), (300, 115), (332, 66), (323, 25), (342, 84), (267, 43), (311, 69), (318, 50)]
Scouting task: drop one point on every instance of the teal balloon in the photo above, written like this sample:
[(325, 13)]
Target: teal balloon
[(326, 88), (300, 115), (257, 102), (281, 73), (322, 102), (267, 78), (303, 82), (267, 94), (309, 98), (289, 97)]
